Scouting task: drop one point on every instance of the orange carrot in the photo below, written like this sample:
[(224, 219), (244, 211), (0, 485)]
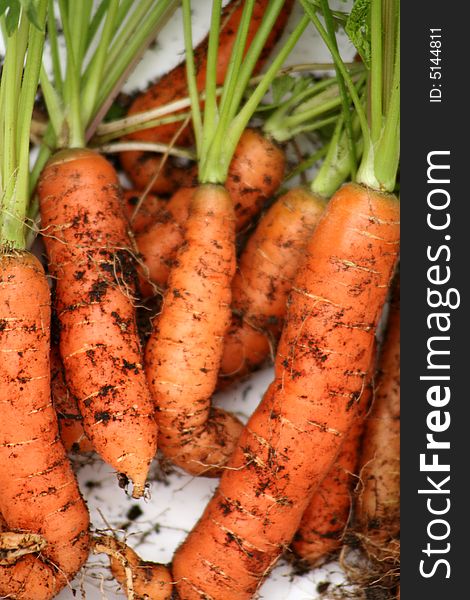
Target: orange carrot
[(39, 493), (378, 501), (324, 522), (262, 283), (147, 580), (71, 430), (292, 438), (256, 171), (173, 86), (85, 233), (147, 213), (189, 335)]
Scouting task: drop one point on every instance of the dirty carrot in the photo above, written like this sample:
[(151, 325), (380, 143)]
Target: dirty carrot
[(196, 307), (377, 512), (142, 214), (172, 86), (45, 539), (89, 253), (263, 280), (292, 438), (33, 463), (255, 173), (86, 235), (70, 419), (140, 579), (325, 521)]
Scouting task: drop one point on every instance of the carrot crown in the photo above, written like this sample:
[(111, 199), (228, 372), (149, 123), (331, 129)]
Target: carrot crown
[(374, 26), (80, 92), (23, 33), (219, 127)]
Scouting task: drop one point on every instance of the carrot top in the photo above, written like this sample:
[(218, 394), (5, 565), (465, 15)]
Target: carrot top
[(219, 126), (379, 45), (80, 92), (23, 32)]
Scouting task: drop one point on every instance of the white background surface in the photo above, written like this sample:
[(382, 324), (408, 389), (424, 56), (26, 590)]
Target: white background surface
[(177, 502)]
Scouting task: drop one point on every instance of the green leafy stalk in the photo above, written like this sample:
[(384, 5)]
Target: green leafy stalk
[(72, 83), (330, 26), (215, 162), (376, 70), (191, 76), (388, 147), (91, 87), (54, 45), (144, 33), (18, 87), (26, 105), (211, 116)]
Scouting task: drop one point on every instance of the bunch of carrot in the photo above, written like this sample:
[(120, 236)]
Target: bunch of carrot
[(305, 287)]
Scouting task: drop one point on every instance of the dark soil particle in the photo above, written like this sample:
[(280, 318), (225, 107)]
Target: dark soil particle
[(134, 512), (102, 416), (98, 290), (322, 587)]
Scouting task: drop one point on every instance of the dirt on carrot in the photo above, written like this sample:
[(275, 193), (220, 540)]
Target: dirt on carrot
[(39, 491), (173, 86), (192, 435), (263, 281), (90, 257), (293, 436)]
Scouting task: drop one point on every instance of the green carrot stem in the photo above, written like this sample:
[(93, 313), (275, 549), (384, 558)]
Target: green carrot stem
[(376, 113), (346, 76), (191, 76), (215, 167), (92, 84), (330, 26), (211, 116), (388, 147), (26, 105), (146, 31), (249, 62), (54, 45), (135, 21), (96, 21), (53, 103), (76, 137)]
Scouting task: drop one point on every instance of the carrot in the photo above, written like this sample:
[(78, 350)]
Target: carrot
[(70, 420), (173, 86), (184, 351), (189, 334), (85, 235), (39, 492), (147, 580), (378, 501), (255, 173), (262, 283), (292, 438), (141, 215), (325, 521)]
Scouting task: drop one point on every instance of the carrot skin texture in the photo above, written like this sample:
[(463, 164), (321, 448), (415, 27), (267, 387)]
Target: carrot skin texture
[(87, 242), (71, 430), (256, 172), (173, 86), (39, 491), (150, 580), (263, 281), (326, 517), (148, 212), (378, 501), (183, 353), (328, 339)]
